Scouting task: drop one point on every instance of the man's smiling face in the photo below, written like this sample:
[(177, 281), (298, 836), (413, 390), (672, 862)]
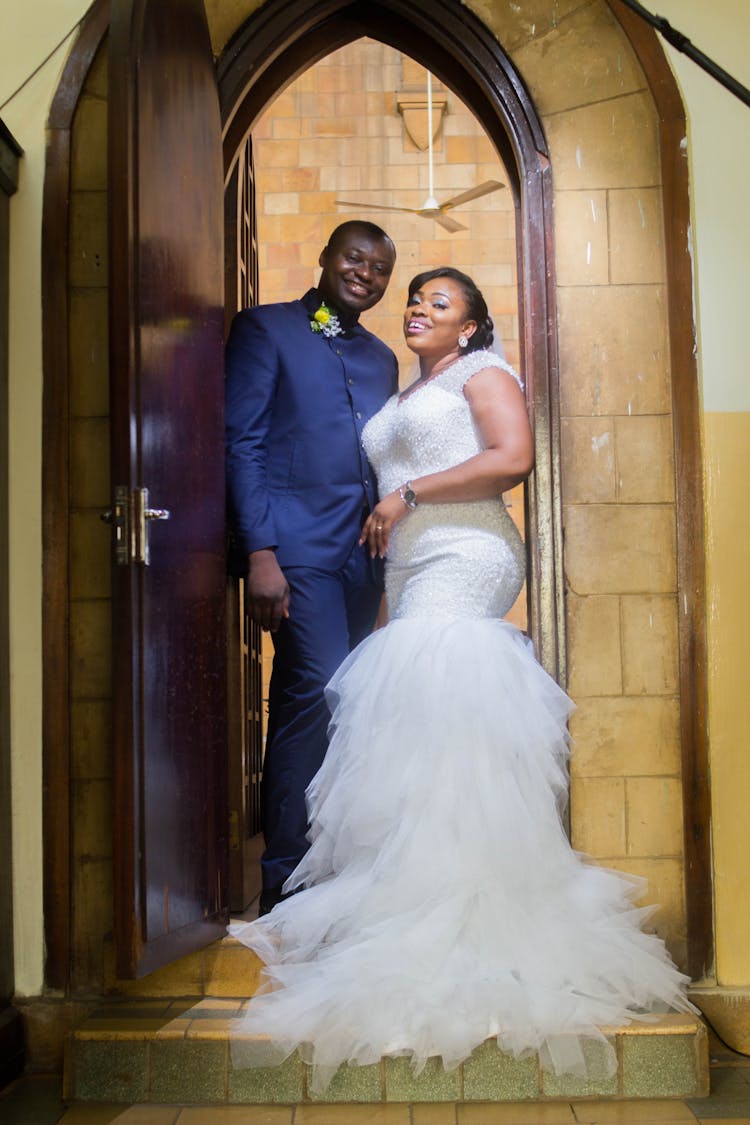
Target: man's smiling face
[(357, 267)]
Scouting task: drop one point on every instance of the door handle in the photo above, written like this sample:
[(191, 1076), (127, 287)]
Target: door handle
[(143, 516), (129, 518)]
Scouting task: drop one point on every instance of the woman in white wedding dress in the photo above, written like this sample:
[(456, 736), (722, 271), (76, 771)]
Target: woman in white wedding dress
[(442, 902)]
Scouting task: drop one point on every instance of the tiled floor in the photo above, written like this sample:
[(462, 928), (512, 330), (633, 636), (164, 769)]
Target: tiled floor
[(36, 1100)]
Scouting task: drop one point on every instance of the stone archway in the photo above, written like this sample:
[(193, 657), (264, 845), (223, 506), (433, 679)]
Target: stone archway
[(666, 717)]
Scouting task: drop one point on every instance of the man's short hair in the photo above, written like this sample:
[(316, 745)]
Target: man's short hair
[(372, 229)]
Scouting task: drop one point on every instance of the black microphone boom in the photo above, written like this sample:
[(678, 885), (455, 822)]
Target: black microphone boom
[(683, 44)]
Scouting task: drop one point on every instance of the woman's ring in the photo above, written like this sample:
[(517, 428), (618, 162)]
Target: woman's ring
[(378, 527)]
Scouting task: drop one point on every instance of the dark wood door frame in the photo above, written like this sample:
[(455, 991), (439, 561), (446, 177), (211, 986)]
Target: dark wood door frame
[(245, 717), (466, 55), (56, 806)]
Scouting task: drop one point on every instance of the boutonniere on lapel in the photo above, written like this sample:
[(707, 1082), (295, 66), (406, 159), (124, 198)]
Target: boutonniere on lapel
[(326, 321)]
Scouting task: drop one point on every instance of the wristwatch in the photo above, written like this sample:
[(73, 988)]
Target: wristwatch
[(408, 495)]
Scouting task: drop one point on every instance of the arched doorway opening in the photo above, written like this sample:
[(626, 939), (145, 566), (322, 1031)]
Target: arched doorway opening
[(519, 141), (350, 133)]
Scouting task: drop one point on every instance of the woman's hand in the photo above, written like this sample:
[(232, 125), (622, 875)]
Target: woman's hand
[(376, 530)]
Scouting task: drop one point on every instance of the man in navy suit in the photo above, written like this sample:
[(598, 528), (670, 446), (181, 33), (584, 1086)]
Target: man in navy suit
[(303, 378)]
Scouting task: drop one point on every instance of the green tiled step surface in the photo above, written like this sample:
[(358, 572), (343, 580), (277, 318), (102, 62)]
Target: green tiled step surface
[(178, 1051)]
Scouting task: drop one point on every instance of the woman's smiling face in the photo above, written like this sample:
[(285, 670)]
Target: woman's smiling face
[(435, 316)]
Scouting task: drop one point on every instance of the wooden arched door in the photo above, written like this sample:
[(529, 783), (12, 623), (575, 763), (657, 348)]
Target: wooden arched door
[(166, 342)]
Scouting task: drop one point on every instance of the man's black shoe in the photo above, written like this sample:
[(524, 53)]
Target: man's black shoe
[(269, 897)]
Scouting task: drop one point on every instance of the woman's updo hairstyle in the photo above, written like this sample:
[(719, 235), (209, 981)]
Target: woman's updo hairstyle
[(476, 306)]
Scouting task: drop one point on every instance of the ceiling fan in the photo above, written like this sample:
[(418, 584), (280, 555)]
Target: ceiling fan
[(431, 209)]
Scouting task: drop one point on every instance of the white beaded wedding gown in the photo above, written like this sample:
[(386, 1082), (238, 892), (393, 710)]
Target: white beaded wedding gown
[(443, 903)]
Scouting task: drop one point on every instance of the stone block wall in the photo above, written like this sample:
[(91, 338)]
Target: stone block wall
[(618, 483)]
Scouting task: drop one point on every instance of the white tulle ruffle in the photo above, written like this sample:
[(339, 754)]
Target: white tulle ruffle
[(444, 904)]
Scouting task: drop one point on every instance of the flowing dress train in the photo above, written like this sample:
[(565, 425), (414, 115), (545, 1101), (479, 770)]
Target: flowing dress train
[(443, 904)]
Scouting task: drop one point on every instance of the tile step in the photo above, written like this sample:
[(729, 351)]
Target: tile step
[(178, 1051), (225, 968)]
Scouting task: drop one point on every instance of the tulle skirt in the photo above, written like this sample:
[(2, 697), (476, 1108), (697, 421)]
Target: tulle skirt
[(443, 903)]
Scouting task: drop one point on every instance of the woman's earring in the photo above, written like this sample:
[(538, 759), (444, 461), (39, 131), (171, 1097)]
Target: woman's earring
[(463, 341)]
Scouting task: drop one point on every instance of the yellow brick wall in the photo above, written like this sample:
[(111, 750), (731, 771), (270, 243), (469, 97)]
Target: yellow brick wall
[(617, 452), (336, 133)]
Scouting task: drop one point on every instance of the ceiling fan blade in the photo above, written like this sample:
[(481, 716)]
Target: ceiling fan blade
[(435, 213), (472, 193), (446, 221), (374, 206)]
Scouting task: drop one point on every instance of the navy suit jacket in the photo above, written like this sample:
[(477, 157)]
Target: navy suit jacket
[(296, 405)]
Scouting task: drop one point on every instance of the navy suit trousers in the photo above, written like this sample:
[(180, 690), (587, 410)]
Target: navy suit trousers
[(329, 613)]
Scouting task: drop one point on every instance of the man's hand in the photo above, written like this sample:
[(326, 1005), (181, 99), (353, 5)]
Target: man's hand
[(267, 590)]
